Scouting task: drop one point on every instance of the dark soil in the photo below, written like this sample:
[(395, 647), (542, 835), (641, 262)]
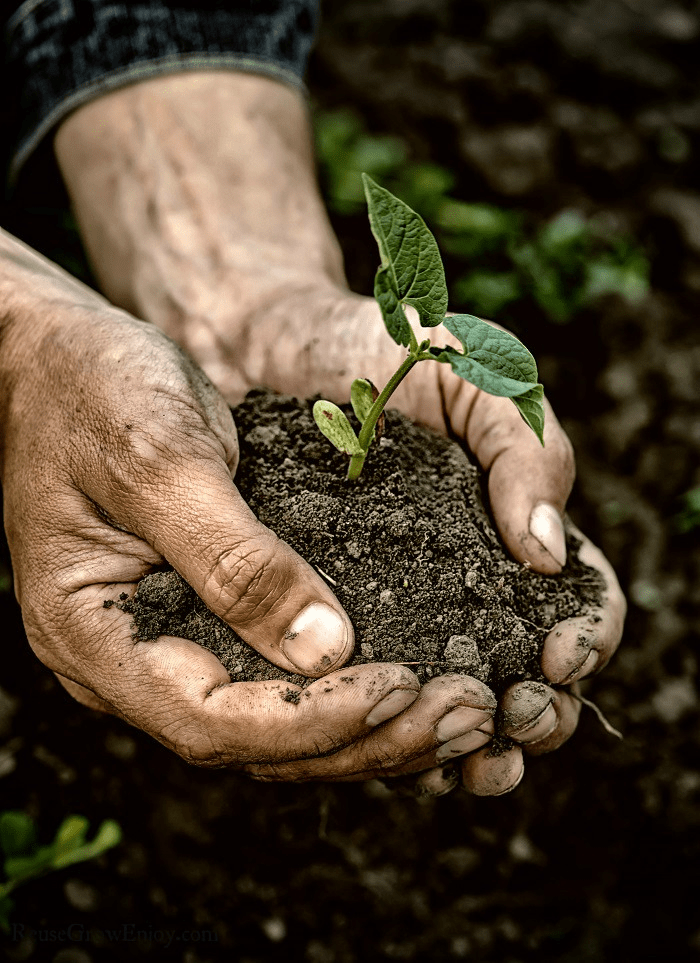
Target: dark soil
[(409, 550), (595, 105)]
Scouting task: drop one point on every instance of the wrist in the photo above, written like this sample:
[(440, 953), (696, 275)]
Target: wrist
[(185, 219)]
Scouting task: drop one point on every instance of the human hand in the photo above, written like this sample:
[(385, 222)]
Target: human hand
[(216, 234), (118, 455), (528, 488)]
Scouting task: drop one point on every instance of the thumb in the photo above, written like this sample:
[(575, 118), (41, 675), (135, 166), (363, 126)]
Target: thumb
[(528, 483), (195, 517)]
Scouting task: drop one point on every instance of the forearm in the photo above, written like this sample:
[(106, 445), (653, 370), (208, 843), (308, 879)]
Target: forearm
[(197, 201), (189, 179)]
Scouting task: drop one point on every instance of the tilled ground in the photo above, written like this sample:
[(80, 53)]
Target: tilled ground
[(543, 105)]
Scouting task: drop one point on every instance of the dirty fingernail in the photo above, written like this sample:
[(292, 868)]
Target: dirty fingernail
[(461, 721), (391, 705), (586, 667), (547, 527), (539, 728), (437, 782), (516, 782), (460, 745), (317, 639)]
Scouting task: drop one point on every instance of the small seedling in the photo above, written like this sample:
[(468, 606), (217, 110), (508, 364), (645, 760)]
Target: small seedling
[(24, 859), (411, 273)]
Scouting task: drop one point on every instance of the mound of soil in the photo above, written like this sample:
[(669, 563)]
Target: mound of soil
[(587, 105), (409, 550)]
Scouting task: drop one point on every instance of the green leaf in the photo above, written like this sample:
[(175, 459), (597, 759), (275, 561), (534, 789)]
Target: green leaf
[(393, 313), (335, 426), (379, 154), (411, 262), (493, 360), (70, 834), (688, 519), (567, 230), (361, 398), (34, 864), (424, 185), (107, 836), (488, 291), (605, 278), (17, 832), (531, 408), (480, 220)]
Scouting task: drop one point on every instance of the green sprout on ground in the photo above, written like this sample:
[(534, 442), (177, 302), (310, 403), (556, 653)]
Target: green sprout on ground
[(411, 273), (24, 859), (688, 518), (502, 261)]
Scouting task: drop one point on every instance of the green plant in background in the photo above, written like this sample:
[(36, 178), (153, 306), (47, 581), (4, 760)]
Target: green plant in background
[(25, 859), (411, 273), (562, 265), (688, 518)]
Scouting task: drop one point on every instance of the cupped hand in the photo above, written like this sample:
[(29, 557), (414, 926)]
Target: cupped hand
[(528, 486), (118, 456), (216, 233)]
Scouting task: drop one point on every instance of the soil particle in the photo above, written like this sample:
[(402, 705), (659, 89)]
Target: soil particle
[(421, 571)]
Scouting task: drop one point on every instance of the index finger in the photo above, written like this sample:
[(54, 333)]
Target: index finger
[(528, 484)]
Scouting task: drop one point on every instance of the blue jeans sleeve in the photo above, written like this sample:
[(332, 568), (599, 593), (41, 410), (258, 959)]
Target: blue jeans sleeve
[(62, 53)]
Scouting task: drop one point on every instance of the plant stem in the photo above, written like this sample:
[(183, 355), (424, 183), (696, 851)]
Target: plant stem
[(368, 426)]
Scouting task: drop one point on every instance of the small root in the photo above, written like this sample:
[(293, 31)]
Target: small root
[(601, 718), (418, 663), (330, 580)]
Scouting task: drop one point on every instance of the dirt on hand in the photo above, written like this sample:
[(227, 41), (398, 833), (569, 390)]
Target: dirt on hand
[(409, 550)]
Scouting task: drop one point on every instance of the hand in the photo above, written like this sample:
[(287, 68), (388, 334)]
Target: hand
[(216, 234), (528, 489), (118, 455)]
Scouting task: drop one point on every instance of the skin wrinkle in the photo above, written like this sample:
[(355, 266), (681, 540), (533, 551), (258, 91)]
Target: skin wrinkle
[(241, 229), (452, 395), (197, 216), (59, 650), (204, 753), (237, 577)]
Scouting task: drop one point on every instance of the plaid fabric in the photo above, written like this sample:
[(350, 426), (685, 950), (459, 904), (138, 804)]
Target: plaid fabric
[(59, 54)]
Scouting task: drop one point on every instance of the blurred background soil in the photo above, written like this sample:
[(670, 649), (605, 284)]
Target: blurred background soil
[(532, 108)]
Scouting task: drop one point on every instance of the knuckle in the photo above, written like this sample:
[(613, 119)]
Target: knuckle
[(387, 758), (195, 747), (244, 581)]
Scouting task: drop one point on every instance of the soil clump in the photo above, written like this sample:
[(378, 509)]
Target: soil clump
[(408, 549)]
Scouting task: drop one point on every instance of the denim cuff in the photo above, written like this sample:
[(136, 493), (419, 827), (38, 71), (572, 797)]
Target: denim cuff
[(61, 54)]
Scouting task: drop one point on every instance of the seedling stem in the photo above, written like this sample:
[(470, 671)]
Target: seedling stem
[(411, 273)]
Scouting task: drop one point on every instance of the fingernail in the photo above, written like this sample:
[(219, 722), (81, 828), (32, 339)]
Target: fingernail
[(547, 527), (391, 705), (457, 747), (437, 782), (586, 667), (539, 728), (316, 640), (514, 785), (461, 721)]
